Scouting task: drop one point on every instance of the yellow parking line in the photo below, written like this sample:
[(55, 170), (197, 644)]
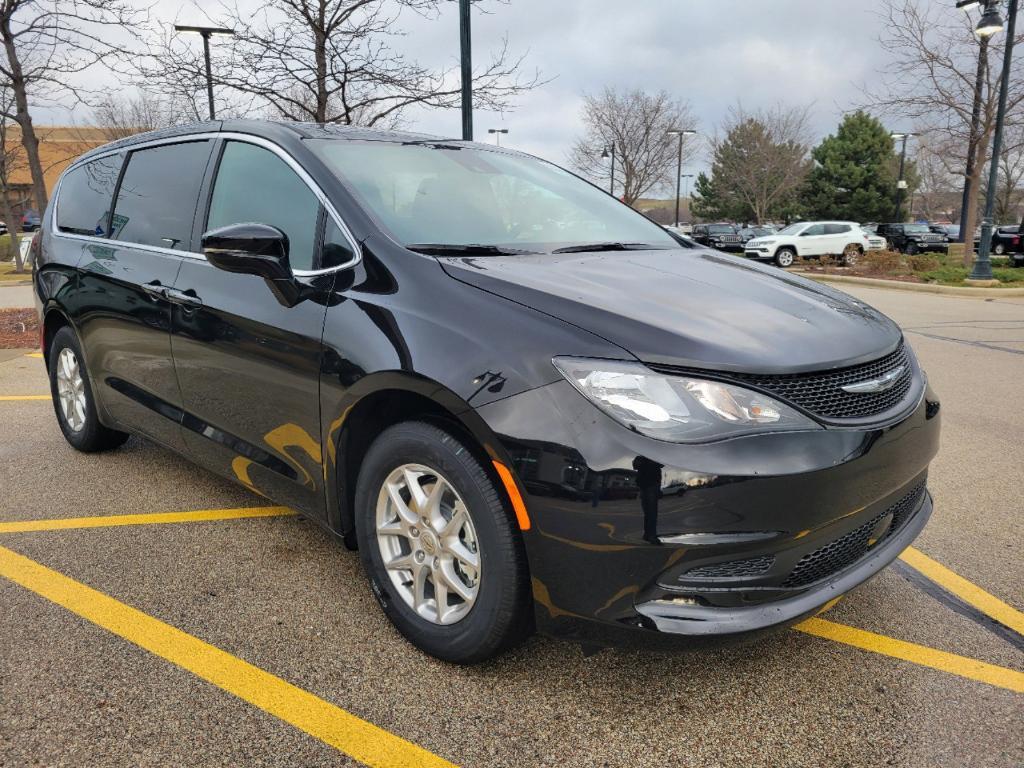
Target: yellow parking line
[(109, 521), (24, 397), (354, 736), (34, 354), (962, 666), (970, 593)]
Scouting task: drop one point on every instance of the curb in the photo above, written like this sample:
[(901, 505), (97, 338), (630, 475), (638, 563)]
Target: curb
[(896, 285)]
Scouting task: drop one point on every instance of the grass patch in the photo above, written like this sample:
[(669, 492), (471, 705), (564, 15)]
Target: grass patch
[(954, 275), (7, 273), (936, 268)]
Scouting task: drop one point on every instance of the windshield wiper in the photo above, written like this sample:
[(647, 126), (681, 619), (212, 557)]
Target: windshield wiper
[(471, 249), (607, 247)]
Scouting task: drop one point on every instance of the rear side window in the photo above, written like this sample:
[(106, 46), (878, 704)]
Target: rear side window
[(83, 205), (254, 184), (836, 229), (156, 202)]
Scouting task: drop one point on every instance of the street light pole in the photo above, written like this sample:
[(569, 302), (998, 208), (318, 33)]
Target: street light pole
[(497, 134), (679, 162), (972, 142), (467, 71), (989, 23), (687, 176), (901, 184), (206, 33), (609, 151)]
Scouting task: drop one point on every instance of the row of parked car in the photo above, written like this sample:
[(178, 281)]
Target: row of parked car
[(844, 239)]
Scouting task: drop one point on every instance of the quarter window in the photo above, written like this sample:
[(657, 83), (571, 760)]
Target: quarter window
[(255, 185), (84, 203), (156, 202)]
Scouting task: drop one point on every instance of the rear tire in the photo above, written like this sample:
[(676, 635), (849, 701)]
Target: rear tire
[(416, 533), (73, 400), (911, 249), (784, 257), (851, 254)]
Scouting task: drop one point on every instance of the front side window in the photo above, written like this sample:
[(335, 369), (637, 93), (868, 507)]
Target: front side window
[(255, 185), (156, 202), (464, 196), (83, 205), (814, 229)]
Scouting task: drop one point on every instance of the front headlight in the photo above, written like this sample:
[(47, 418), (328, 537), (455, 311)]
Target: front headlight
[(677, 409)]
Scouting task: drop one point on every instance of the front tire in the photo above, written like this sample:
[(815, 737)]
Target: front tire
[(73, 399), (784, 257), (439, 546), (911, 249)]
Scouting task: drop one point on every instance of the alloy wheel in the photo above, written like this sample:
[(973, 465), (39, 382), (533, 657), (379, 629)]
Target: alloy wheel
[(71, 389), (428, 544)]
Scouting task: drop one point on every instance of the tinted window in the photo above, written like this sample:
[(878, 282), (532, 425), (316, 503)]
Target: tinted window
[(156, 202), (336, 249), (721, 229), (814, 229), (254, 184), (85, 193), (836, 229)]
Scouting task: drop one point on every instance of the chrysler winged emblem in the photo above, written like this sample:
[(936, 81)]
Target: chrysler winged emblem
[(880, 384)]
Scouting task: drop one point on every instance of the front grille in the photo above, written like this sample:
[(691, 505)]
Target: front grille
[(847, 549), (753, 566), (820, 393)]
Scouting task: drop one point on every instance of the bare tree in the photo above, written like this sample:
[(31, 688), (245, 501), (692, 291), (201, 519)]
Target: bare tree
[(47, 45), (761, 158), (936, 193), (929, 79), (116, 117), (637, 124), (328, 61), (9, 162), (1011, 174)]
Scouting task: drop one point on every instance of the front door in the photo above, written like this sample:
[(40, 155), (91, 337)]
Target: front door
[(812, 241), (124, 317), (249, 367)]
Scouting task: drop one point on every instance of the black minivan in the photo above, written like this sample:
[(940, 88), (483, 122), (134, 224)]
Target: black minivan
[(524, 403)]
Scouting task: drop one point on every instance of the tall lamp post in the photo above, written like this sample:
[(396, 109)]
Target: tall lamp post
[(467, 70), (901, 184), (609, 151), (207, 33), (680, 133), (990, 23), (497, 134), (686, 193), (973, 138)]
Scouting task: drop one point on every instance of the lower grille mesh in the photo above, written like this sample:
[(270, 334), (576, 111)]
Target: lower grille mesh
[(847, 549), (753, 566)]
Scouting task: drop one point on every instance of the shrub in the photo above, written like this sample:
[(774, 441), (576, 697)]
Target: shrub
[(923, 262), (880, 263)]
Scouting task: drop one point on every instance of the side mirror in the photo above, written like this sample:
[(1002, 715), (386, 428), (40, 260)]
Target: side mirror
[(255, 249)]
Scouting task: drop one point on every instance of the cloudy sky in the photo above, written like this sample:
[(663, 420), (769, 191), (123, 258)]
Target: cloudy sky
[(711, 53)]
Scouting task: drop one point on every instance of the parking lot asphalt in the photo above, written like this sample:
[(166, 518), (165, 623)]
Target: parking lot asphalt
[(225, 638)]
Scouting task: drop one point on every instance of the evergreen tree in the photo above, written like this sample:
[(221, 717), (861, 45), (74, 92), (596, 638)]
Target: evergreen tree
[(855, 172)]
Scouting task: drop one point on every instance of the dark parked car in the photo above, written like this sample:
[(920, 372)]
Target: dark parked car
[(521, 419), (1005, 241), (949, 231), (912, 238), (747, 233), (722, 237), (30, 221)]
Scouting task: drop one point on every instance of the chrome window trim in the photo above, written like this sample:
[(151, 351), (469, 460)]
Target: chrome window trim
[(207, 135)]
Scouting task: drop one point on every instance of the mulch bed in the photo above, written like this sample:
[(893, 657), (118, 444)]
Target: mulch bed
[(19, 329)]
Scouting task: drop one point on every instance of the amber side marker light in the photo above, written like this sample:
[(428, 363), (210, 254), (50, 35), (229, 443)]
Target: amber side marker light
[(513, 493)]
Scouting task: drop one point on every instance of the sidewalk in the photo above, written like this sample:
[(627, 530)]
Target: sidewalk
[(16, 296)]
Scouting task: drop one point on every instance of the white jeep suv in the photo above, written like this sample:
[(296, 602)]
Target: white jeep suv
[(811, 239)]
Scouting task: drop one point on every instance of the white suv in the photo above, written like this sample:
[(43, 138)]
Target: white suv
[(811, 239)]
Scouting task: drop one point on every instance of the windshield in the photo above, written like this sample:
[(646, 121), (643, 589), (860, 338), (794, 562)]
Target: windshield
[(916, 229), (441, 194), (792, 229), (721, 229)]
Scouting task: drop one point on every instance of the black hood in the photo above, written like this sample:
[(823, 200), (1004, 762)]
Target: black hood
[(691, 308)]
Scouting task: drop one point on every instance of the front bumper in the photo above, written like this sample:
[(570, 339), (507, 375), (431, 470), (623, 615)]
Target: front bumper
[(758, 252), (632, 537)]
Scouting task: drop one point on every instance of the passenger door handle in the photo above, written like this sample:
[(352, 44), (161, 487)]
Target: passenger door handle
[(186, 298), (155, 289)]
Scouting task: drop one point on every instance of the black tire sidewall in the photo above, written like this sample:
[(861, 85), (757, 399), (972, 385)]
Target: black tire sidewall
[(498, 614), (93, 436)]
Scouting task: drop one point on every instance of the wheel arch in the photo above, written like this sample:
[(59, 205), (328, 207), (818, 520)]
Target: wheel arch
[(380, 400)]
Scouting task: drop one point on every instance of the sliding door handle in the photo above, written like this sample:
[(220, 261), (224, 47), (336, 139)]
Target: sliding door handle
[(155, 289), (186, 298)]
